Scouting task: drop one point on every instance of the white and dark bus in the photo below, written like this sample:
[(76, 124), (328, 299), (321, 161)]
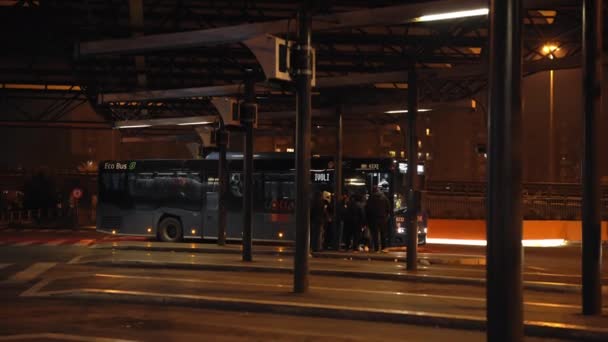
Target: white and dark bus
[(178, 199)]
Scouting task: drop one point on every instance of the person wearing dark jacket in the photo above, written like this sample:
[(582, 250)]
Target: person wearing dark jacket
[(356, 219), (347, 233), (318, 216), (378, 212)]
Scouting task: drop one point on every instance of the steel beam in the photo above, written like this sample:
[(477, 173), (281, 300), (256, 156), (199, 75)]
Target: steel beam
[(383, 16), (412, 166), (303, 76), (147, 95), (56, 124), (177, 121), (248, 117), (592, 99), (504, 217), (353, 79), (136, 20)]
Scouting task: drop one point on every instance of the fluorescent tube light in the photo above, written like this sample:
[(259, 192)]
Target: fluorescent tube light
[(194, 123), (400, 111), (133, 126), (453, 15)]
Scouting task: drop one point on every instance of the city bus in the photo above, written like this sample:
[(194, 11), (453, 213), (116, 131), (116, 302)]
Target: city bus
[(171, 200)]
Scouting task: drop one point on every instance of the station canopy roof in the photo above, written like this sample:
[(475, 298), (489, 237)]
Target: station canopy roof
[(363, 52)]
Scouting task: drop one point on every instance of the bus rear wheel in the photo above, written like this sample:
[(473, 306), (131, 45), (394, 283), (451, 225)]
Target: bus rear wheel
[(170, 230)]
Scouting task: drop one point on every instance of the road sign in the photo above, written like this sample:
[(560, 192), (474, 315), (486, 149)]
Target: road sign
[(77, 193)]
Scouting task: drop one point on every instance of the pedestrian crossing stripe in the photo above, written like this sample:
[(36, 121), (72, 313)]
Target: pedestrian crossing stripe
[(25, 243), (84, 242), (33, 271), (55, 242)]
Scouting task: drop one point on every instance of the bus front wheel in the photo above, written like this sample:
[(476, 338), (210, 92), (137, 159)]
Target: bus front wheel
[(170, 230)]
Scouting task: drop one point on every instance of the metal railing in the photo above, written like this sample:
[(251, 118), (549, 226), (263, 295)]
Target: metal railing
[(451, 206), (47, 216)]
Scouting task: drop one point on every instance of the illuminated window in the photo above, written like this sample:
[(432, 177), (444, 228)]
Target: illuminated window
[(428, 131), (277, 150), (473, 104), (402, 154), (289, 149), (392, 153), (419, 155), (428, 156), (419, 143)]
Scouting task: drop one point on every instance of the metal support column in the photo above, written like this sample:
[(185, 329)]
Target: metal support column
[(248, 117), (222, 173), (592, 238), (303, 74), (504, 216), (412, 165), (338, 179)]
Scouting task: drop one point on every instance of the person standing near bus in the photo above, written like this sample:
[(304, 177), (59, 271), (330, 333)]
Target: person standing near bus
[(356, 218), (378, 212), (318, 215)]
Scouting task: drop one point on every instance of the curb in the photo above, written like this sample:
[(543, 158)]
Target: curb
[(528, 285), (468, 261), (464, 322)]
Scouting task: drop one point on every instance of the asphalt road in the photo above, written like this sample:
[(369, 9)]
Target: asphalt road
[(39, 262)]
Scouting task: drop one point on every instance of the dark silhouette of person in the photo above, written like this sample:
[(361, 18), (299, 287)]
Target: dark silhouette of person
[(378, 212), (318, 218)]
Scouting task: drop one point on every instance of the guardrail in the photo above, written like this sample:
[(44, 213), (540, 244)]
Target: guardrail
[(533, 207), (47, 216), (528, 189)]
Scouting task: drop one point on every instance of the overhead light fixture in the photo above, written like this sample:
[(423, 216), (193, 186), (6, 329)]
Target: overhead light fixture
[(133, 126), (194, 123), (550, 50), (400, 111), (453, 15)]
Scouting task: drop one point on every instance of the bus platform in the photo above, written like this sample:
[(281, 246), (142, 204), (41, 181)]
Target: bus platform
[(439, 296), (425, 255)]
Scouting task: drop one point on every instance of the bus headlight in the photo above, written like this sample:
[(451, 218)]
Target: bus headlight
[(401, 230)]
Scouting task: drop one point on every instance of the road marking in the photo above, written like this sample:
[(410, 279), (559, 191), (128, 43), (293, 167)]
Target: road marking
[(55, 242), (377, 292), (59, 337), (10, 230), (32, 291), (84, 242), (75, 260), (45, 230), (24, 243), (28, 230), (4, 266), (63, 230), (33, 271)]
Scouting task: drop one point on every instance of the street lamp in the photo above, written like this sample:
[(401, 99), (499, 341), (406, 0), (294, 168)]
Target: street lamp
[(550, 49)]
